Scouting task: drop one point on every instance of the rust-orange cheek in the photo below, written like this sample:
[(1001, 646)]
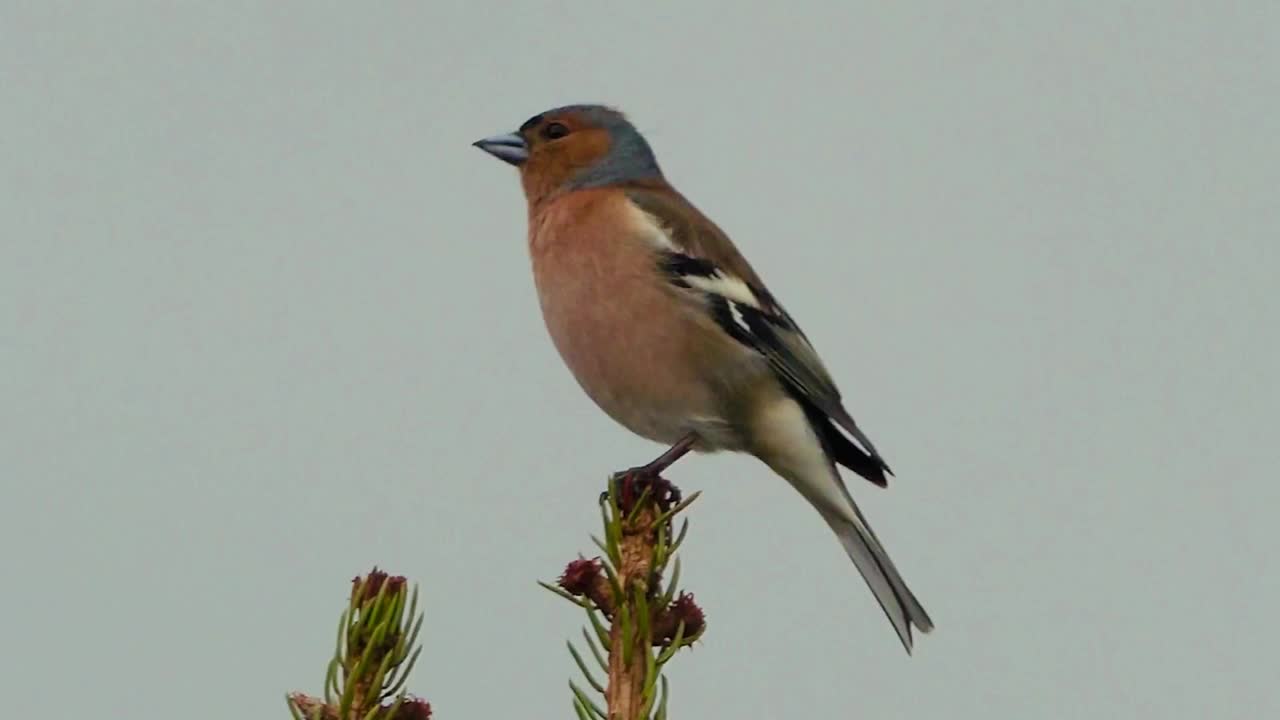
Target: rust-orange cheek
[(551, 166)]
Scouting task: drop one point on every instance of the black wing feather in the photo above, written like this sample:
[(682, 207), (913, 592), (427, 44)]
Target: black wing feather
[(764, 329)]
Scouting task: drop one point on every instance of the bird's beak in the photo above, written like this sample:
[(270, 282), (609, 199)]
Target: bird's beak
[(509, 148)]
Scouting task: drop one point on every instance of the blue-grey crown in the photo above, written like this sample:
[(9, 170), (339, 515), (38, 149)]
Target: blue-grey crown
[(630, 158)]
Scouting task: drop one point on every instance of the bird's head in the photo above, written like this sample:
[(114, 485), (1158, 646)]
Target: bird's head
[(572, 148)]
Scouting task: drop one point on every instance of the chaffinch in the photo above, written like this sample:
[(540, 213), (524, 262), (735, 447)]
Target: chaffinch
[(673, 334)]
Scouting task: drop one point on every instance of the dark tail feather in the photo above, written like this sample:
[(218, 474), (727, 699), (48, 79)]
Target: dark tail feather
[(899, 603), (843, 451)]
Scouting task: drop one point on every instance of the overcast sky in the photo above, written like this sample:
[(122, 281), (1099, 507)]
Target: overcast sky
[(266, 319)]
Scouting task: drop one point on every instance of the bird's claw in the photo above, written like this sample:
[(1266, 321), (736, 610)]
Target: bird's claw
[(650, 472), (619, 479)]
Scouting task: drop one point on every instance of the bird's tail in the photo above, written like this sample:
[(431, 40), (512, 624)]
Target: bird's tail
[(900, 605), (790, 440)]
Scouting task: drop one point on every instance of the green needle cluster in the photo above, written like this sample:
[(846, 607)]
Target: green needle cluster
[(637, 617), (375, 652)]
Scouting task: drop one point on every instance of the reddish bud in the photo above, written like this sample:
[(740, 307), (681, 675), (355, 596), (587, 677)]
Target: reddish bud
[(585, 578), (580, 575), (632, 486), (413, 709), (373, 582), (682, 610)]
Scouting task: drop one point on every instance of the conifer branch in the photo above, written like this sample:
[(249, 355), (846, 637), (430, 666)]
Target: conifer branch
[(376, 650), (647, 622)]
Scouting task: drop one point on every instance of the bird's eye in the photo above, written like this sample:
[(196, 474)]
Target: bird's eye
[(554, 131)]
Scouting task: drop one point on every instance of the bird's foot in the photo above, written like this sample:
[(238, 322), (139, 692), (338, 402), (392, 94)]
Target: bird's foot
[(632, 482), (631, 487)]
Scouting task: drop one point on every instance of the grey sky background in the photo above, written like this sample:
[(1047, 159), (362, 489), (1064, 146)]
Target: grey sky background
[(266, 319)]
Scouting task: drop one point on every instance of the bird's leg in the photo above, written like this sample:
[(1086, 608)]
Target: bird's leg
[(658, 465)]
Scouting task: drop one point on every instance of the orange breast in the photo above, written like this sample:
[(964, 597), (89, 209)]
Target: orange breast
[(633, 345)]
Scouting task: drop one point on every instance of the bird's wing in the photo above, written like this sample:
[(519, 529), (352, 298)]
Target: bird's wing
[(704, 260)]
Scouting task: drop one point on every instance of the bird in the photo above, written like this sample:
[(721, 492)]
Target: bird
[(671, 332)]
